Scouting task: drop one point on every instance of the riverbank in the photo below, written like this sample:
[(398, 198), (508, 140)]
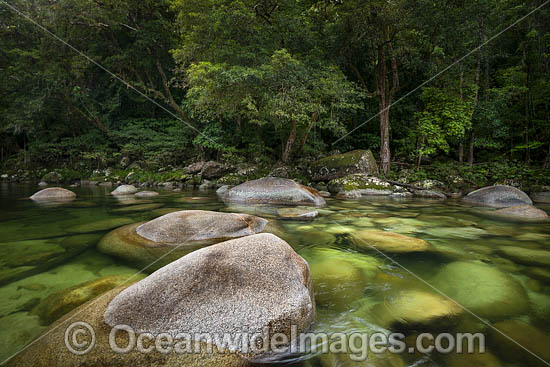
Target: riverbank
[(451, 178)]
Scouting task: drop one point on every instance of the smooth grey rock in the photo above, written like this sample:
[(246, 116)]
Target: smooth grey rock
[(222, 190), (53, 194), (274, 190), (499, 196), (124, 190), (252, 282), (42, 183), (198, 225)]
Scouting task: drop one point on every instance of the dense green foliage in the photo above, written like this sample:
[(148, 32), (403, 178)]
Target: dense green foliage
[(271, 80)]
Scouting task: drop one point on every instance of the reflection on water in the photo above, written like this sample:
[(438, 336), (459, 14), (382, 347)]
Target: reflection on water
[(498, 270)]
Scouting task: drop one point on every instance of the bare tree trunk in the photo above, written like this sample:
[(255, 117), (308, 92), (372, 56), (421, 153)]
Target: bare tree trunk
[(290, 142), (385, 154), (461, 152), (169, 96), (385, 100)]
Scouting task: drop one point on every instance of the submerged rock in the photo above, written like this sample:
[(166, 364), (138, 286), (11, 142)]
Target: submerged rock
[(24, 258), (526, 256), (273, 190), (100, 225), (471, 233), (143, 243), (416, 308), (527, 336), (254, 282), (297, 213), (53, 194), (60, 303), (124, 190), (430, 194), (340, 165), (528, 212), (388, 241), (499, 196), (482, 289), (337, 283), (146, 194), (138, 208)]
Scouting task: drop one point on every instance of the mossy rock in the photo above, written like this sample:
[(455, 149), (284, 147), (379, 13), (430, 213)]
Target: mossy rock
[(24, 258), (413, 308), (337, 283), (359, 182), (231, 179), (100, 225), (52, 177), (526, 335), (526, 256), (340, 165), (60, 303), (482, 289), (137, 251)]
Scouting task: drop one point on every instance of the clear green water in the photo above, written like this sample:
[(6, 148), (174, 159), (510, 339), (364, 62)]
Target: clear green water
[(45, 249)]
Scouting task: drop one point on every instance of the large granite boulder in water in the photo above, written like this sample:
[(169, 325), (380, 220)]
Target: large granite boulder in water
[(273, 190), (242, 285), (255, 282), (499, 196), (523, 212), (340, 165), (53, 194), (50, 350), (143, 243)]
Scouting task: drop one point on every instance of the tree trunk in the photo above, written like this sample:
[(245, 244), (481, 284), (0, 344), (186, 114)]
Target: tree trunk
[(385, 154), (290, 142), (461, 152)]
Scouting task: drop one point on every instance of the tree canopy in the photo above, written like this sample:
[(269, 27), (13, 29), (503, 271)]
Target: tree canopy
[(274, 80)]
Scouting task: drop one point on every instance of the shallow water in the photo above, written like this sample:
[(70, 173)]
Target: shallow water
[(47, 248)]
